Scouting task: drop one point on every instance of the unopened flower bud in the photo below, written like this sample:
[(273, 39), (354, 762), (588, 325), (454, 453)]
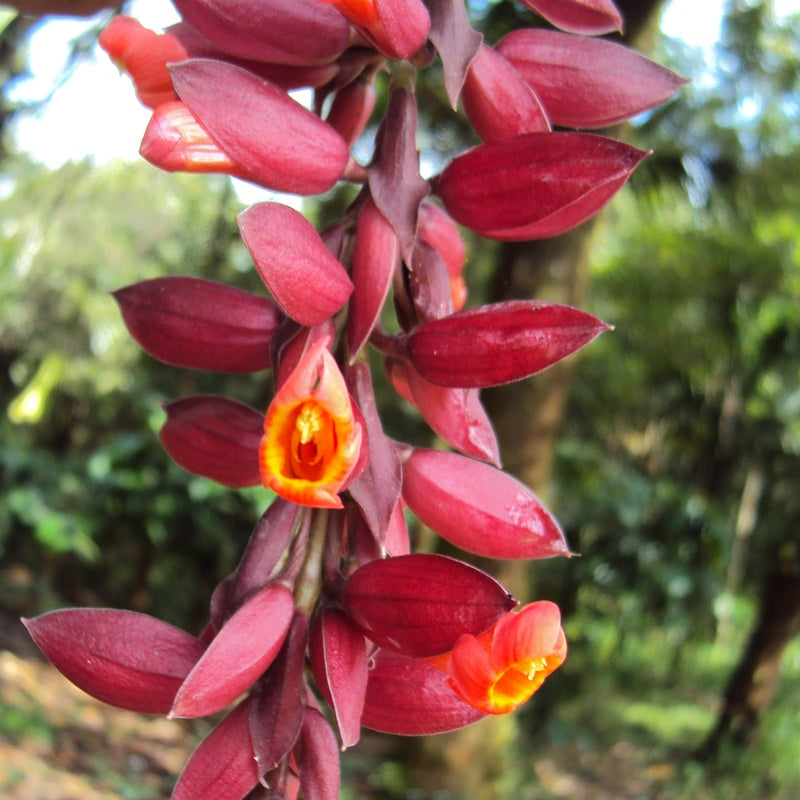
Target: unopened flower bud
[(276, 141), (277, 31), (534, 185), (584, 82), (308, 283), (376, 256), (500, 342), (437, 228), (589, 17), (351, 110), (497, 100), (286, 76), (479, 508), (200, 324)]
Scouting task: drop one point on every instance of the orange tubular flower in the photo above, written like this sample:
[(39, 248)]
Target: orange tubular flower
[(501, 668), (144, 54), (311, 439)]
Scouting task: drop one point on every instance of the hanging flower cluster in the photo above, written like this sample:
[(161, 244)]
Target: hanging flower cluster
[(327, 603)]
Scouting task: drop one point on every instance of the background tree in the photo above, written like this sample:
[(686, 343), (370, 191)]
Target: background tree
[(700, 467), (90, 504), (674, 474)]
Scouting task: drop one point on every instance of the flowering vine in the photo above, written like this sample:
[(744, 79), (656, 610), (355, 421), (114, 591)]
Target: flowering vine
[(328, 603)]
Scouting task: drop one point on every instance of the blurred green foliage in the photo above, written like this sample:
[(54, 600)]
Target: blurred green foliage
[(92, 510), (698, 389)]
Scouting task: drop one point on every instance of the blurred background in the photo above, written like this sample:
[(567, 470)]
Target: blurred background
[(669, 450)]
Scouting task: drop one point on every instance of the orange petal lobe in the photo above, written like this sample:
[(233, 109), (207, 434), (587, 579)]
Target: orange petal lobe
[(500, 669), (311, 440), (144, 55)]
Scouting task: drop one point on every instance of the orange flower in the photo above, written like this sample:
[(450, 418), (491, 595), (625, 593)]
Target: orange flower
[(397, 28), (501, 668), (311, 440), (144, 54), (458, 291)]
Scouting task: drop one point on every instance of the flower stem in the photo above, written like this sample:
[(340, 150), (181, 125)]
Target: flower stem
[(309, 581)]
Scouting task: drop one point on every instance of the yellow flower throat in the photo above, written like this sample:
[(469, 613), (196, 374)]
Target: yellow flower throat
[(313, 441)]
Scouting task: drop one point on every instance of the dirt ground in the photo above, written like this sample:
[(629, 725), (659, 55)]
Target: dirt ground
[(57, 743)]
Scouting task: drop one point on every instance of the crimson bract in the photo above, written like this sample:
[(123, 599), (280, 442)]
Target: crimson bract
[(397, 641)]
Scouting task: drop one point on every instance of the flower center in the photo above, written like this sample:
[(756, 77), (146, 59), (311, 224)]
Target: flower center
[(313, 441), (516, 684)]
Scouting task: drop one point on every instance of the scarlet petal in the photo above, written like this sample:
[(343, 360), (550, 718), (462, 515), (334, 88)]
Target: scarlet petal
[(316, 388), (471, 673), (579, 16), (214, 437), (499, 343), (123, 658), (308, 283), (411, 698), (238, 655), (479, 508), (584, 82), (200, 324), (418, 605), (534, 185), (293, 341), (223, 767), (280, 144), (502, 668)]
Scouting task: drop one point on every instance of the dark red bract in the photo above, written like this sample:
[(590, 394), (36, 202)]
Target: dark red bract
[(402, 642)]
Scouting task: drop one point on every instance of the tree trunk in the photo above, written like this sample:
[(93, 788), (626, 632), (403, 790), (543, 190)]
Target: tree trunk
[(754, 681), (482, 762), (746, 520)]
